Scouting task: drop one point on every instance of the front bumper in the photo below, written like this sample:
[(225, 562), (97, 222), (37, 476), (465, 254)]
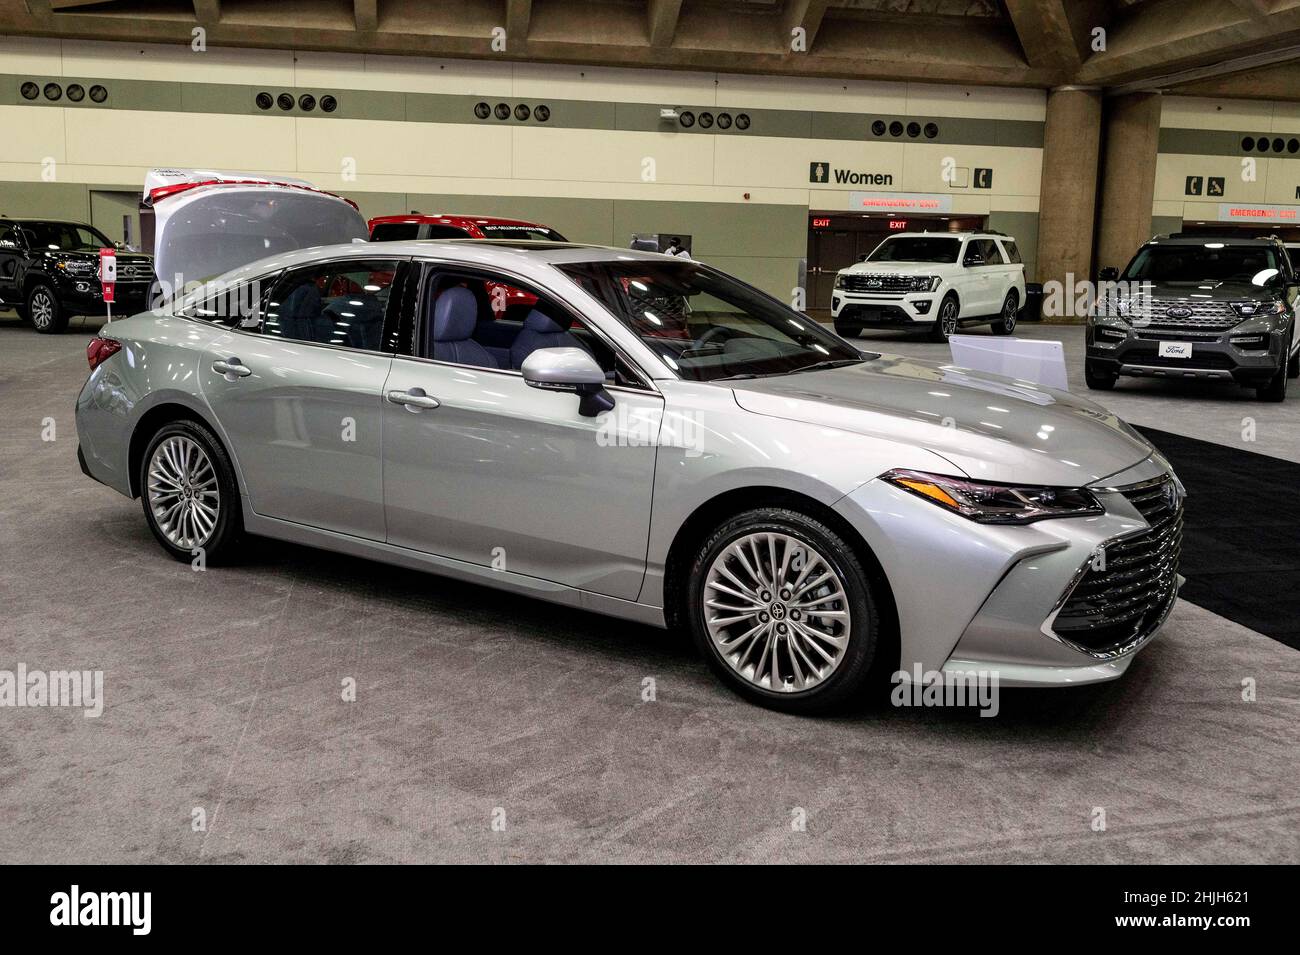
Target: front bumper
[(979, 597), (84, 296), (1214, 356), (857, 310)]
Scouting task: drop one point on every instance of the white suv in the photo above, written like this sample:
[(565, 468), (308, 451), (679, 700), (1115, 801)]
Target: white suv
[(936, 281)]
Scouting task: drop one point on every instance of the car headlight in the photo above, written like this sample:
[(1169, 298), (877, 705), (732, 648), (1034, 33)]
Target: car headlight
[(77, 266), (996, 503), (925, 283), (839, 280)]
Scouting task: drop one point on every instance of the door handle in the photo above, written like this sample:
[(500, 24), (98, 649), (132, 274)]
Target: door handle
[(414, 400), (232, 368)]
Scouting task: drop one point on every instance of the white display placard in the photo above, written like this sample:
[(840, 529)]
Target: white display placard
[(1042, 362)]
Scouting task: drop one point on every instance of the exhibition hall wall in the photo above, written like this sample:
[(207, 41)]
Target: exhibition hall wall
[(404, 136)]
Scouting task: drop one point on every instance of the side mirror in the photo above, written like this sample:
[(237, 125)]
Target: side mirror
[(1109, 274), (572, 370)]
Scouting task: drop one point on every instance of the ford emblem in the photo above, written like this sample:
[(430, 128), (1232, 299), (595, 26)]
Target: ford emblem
[(1178, 311)]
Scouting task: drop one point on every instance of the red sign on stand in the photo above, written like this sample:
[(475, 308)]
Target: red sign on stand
[(108, 275)]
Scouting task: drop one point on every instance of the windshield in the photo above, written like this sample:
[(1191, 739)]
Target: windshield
[(916, 248), (64, 237), (706, 325), (1208, 262)]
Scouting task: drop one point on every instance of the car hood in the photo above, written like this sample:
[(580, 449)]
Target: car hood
[(989, 427), (1213, 290)]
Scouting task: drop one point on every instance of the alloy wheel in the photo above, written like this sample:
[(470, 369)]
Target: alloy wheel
[(948, 318), (777, 612), (1009, 314), (183, 492), (41, 311)]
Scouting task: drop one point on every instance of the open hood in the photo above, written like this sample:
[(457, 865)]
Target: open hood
[(208, 222)]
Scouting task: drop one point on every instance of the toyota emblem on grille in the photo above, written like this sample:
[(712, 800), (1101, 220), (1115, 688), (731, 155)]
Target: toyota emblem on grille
[(1171, 494), (1178, 311)]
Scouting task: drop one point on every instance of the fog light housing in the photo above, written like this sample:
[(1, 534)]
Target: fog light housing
[(1110, 331), (922, 306), (835, 301)]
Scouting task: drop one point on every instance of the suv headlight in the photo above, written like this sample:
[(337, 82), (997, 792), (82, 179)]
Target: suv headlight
[(925, 283), (77, 266), (839, 280), (996, 503)]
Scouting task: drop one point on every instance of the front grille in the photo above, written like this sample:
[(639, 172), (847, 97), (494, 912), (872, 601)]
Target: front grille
[(876, 282), (1213, 360), (1154, 313), (1120, 602)]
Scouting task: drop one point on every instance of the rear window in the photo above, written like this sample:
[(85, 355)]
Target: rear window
[(1013, 252)]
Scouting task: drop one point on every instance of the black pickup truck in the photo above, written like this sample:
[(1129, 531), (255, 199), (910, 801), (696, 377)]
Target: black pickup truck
[(49, 271)]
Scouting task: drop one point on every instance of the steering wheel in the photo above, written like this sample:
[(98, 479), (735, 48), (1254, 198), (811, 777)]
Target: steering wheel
[(720, 332)]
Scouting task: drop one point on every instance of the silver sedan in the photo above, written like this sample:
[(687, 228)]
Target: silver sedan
[(648, 438)]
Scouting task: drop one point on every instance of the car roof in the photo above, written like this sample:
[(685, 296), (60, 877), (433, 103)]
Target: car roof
[(482, 252), (1228, 237), (84, 225), (456, 219), (945, 234)]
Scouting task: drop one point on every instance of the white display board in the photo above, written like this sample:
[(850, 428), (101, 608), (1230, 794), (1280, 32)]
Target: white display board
[(1042, 362)]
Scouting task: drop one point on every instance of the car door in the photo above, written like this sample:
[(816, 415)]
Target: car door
[(298, 390), (483, 468), (12, 250)]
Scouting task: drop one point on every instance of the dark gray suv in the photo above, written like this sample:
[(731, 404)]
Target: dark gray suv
[(1199, 306)]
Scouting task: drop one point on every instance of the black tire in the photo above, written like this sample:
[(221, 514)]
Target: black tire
[(949, 309), (44, 311), (1275, 390), (846, 331), (1005, 323), (1293, 366), (1096, 379), (221, 545), (846, 681)]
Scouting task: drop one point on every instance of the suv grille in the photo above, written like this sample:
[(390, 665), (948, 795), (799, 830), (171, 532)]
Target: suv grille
[(1109, 610), (1154, 313), (877, 282)]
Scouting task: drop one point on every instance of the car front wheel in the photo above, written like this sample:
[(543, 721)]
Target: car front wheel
[(946, 322), (1275, 390), (43, 310), (189, 493), (783, 611), (1096, 379)]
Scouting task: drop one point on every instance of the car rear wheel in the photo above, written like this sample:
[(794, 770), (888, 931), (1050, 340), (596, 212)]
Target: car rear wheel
[(946, 322), (189, 493), (1096, 379), (1293, 366), (783, 611), (1006, 321), (43, 310)]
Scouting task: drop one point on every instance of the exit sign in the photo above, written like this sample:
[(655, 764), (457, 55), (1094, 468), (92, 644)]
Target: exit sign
[(898, 224), (821, 223)]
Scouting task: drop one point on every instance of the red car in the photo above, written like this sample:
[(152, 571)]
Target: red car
[(418, 226)]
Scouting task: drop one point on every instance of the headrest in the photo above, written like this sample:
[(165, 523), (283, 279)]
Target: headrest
[(454, 315), (542, 323)]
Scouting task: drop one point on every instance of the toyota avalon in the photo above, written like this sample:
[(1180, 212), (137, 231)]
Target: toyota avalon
[(655, 441)]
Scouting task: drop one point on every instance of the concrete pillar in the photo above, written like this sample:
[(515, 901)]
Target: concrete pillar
[(1068, 191), (1128, 176)]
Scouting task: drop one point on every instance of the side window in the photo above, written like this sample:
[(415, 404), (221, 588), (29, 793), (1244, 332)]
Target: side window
[(444, 232), (395, 231), (333, 303), (992, 254), (473, 318), (9, 238), (1012, 251), (235, 306)]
